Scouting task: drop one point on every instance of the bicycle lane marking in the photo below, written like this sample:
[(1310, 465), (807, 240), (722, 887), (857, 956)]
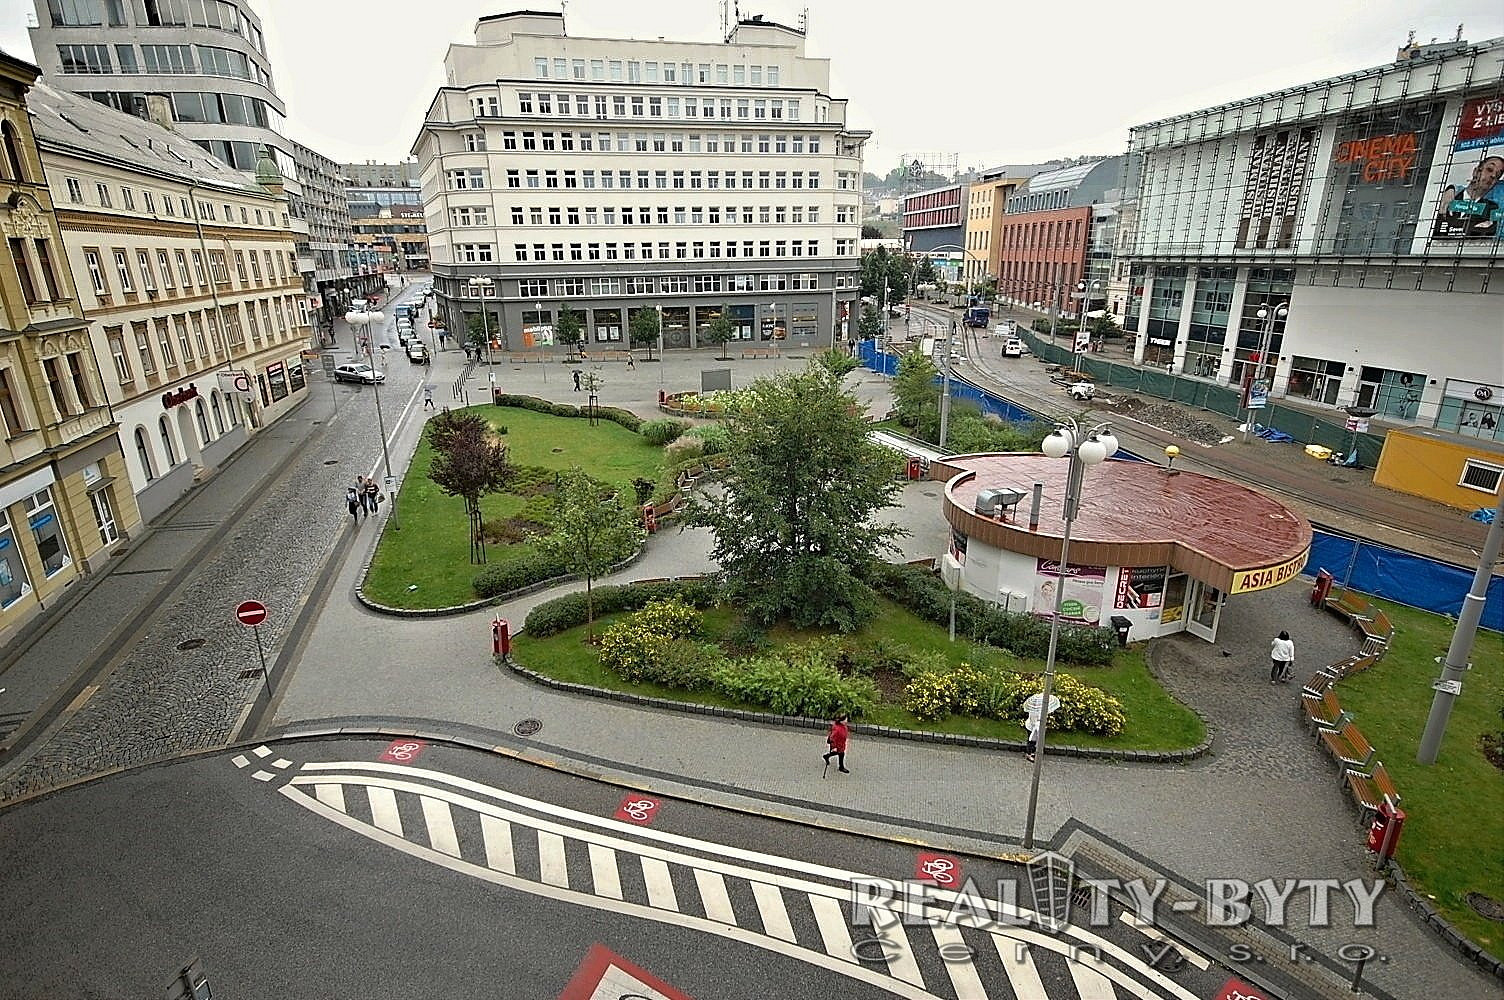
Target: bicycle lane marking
[(1129, 977)]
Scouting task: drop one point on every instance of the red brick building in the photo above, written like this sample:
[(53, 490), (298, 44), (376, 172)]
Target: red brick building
[(1043, 256)]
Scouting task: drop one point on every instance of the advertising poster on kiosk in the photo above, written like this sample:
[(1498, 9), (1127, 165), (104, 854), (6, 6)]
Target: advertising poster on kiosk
[(1140, 587), (1471, 204), (1083, 586)]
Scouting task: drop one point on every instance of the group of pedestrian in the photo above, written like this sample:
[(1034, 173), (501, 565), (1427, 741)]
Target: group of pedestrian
[(363, 498)]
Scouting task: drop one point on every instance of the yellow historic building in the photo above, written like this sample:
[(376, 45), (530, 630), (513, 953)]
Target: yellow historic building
[(65, 497)]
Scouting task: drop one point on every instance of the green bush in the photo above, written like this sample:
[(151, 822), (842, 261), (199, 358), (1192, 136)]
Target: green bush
[(715, 438), (683, 449), (801, 682), (642, 489), (661, 432), (836, 361), (626, 418), (936, 694), (616, 415), (514, 574), (569, 611), (686, 664)]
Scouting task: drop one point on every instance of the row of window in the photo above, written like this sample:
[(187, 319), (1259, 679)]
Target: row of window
[(539, 288), (679, 215), (193, 340), (475, 179), (219, 14), (35, 270), (583, 105), (650, 71), (173, 207), (226, 418), (207, 60), (1043, 235), (645, 142), (484, 253), (143, 272)]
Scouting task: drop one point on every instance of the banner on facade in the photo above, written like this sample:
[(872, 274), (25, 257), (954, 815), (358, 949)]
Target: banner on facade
[(1081, 588), (1140, 587), (1471, 202)]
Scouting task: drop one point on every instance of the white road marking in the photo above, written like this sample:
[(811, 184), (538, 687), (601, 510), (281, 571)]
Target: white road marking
[(240, 761), (729, 932), (262, 751), (1154, 933), (832, 924), (552, 867), (1018, 963), (901, 964), (659, 884), (497, 834), (263, 776), (713, 895), (440, 823), (775, 916), (332, 796), (384, 810), (603, 872), (281, 763), (1090, 983), (963, 975)]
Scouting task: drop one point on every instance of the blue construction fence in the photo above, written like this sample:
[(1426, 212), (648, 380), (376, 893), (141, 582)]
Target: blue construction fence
[(1393, 574)]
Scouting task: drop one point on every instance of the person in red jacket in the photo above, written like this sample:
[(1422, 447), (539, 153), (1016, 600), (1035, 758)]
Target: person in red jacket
[(836, 740)]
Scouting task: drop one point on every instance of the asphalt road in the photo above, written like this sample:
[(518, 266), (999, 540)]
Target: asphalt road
[(315, 869)]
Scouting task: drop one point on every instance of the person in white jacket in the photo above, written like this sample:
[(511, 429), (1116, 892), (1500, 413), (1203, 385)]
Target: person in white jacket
[(1282, 658)]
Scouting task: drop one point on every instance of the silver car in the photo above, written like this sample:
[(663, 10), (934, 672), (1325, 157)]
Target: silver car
[(358, 372)]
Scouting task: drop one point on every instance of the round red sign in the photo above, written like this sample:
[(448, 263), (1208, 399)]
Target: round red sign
[(251, 612)]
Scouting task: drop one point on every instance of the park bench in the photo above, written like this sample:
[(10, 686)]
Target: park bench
[(1377, 631), (1371, 789), (1321, 682), (522, 359), (1324, 711), (1349, 604), (1348, 747), (760, 352)]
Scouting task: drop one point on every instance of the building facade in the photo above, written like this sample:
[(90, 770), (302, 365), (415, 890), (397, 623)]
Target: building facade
[(1368, 206), (187, 270), (610, 176), (935, 218), (325, 207), (65, 498), (393, 240)]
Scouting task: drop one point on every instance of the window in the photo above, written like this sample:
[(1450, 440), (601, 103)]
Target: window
[(54, 372), (123, 271), (86, 59), (75, 191), (164, 264), (475, 142), (180, 324), (524, 102), (8, 410), (127, 199), (198, 267), (1481, 476), (164, 343), (182, 259), (532, 288), (23, 269), (166, 434), (41, 516), (218, 267), (103, 191), (143, 348), (478, 216)]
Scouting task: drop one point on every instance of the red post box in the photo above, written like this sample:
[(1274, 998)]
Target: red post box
[(1322, 589), (1384, 833), (649, 518), (662, 397), (501, 637)]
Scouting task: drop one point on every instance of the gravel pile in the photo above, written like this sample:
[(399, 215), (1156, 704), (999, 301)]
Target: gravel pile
[(1175, 419)]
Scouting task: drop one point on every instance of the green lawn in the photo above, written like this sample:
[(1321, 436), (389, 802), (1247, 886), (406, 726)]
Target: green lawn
[(1155, 720), (1453, 841), (432, 549)]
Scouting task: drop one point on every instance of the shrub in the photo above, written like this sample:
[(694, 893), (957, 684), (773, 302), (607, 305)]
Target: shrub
[(968, 689), (642, 489), (514, 574), (564, 410), (633, 646), (569, 611), (801, 682), (616, 415), (836, 361), (715, 438), (683, 449), (627, 419), (511, 531), (662, 432), (684, 663)]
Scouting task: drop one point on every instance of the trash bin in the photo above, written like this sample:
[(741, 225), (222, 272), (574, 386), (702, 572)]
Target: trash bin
[(1121, 626)]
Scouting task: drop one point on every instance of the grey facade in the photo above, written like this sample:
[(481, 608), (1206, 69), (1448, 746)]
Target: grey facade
[(324, 205)]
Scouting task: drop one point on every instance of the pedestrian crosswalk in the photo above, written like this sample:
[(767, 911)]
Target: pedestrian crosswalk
[(792, 907)]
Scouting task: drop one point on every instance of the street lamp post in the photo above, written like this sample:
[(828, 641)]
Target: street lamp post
[(478, 286), (1268, 316), (364, 319), (1083, 447), (1082, 339)]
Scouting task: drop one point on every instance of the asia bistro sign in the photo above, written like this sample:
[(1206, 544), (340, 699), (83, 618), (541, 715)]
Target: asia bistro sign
[(1245, 581), (1381, 158)]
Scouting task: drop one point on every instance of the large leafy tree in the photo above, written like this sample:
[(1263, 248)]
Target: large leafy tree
[(718, 331), (870, 326), (883, 263), (796, 520), (913, 388), (643, 329), (570, 330), (594, 529)]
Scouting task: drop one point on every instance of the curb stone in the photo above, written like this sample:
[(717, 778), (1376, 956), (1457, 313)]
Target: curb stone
[(1432, 918)]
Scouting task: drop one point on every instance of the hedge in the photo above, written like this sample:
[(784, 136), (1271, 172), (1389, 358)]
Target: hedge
[(664, 431), (514, 574), (1024, 635), (627, 419), (569, 611), (1000, 694)]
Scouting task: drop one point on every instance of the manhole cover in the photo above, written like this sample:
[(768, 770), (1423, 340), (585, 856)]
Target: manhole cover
[(331, 461), (527, 727), (188, 644), (1486, 906), (249, 673), (929, 493)]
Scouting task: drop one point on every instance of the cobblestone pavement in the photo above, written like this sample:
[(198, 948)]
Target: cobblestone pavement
[(159, 700)]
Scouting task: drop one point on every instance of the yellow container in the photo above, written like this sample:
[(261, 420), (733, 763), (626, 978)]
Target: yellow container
[(1318, 451)]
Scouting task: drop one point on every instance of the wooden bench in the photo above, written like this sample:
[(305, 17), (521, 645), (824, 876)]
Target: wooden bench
[(760, 352), (1348, 747), (1324, 711), (1371, 789), (1321, 682), (1349, 604), (1377, 631)]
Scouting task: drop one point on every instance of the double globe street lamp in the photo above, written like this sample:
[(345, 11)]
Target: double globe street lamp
[(1083, 447), (1268, 315), (364, 319), (478, 288)]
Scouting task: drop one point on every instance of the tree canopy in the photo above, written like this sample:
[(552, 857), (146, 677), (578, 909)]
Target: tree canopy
[(643, 329), (594, 529), (470, 459)]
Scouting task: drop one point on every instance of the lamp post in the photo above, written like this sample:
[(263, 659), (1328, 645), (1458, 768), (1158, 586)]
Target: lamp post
[(1083, 339), (1083, 447), (364, 319), (478, 287), (1268, 316)]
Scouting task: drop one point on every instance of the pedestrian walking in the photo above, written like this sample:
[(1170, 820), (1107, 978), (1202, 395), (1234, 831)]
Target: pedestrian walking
[(631, 362), (373, 495), (1281, 659), (576, 375), (836, 740), (360, 494), (428, 397), (352, 500)]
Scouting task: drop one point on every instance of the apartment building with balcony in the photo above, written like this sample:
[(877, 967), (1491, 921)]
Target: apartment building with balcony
[(609, 175), (65, 497)]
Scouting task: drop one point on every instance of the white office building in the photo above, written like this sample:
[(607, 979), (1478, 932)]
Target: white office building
[(1369, 205), (607, 176)]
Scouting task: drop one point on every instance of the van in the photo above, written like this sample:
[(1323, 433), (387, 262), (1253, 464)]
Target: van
[(1013, 348)]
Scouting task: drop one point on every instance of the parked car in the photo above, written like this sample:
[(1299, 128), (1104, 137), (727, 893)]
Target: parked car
[(1082, 390), (1013, 348), (417, 352), (405, 334), (357, 371)]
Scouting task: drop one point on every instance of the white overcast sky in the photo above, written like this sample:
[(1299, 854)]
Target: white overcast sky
[(990, 82)]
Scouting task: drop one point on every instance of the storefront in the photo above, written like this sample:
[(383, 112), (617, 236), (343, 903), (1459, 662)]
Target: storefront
[(1163, 550)]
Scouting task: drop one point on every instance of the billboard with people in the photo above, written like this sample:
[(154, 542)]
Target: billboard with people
[(1471, 201)]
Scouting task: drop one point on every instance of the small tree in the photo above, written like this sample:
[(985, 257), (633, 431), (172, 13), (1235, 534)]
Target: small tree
[(913, 388), (871, 324), (477, 329), (570, 330), (593, 530), (643, 329), (469, 461), (718, 331), (926, 274)]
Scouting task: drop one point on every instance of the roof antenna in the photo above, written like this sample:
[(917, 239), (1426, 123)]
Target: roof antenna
[(804, 21), (1459, 34), (725, 28), (1410, 40), (563, 11)]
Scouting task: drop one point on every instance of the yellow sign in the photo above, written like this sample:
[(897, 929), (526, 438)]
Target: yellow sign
[(1269, 576)]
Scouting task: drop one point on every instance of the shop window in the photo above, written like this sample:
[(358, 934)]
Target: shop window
[(41, 517), (13, 582)]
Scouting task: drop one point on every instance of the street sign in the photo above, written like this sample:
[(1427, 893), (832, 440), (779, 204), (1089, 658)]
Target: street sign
[(329, 363), (605, 975), (251, 613)]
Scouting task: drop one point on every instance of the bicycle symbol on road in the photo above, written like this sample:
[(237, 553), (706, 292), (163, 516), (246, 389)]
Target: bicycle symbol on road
[(637, 809), (403, 751), (939, 869)]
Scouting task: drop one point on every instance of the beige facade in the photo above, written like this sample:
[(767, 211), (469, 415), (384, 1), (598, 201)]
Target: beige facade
[(188, 272), (985, 203), (65, 499)]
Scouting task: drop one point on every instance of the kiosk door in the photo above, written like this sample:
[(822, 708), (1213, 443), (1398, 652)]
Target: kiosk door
[(1172, 612), (1205, 607)]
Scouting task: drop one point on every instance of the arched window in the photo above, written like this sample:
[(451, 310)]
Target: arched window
[(234, 410), (219, 420), (172, 455), (203, 421), (143, 453), (15, 163)]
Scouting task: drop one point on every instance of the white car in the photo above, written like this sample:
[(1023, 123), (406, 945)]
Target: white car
[(1082, 390), (1013, 348), (358, 371)]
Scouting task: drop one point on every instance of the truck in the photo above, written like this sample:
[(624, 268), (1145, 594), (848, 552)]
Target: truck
[(977, 316)]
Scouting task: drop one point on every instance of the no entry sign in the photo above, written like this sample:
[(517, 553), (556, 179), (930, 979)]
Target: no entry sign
[(250, 613)]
